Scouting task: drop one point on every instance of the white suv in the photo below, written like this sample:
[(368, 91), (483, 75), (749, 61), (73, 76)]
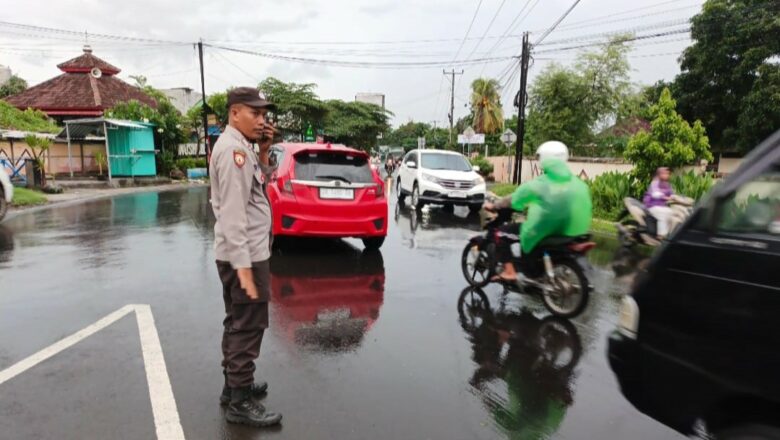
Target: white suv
[(6, 192), (439, 177)]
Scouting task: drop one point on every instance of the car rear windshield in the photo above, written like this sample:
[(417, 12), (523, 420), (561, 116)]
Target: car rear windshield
[(438, 161), (327, 166)]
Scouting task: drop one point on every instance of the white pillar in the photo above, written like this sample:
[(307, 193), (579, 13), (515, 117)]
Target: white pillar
[(70, 162)]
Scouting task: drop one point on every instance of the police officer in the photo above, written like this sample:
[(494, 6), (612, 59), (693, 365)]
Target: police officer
[(242, 243)]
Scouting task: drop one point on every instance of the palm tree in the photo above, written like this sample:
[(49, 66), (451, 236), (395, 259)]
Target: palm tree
[(486, 106)]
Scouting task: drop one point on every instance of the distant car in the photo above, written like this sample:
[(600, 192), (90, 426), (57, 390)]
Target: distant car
[(698, 338), (439, 177), (6, 193), (327, 190)]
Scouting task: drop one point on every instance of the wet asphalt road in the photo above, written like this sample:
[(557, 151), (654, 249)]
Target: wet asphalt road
[(360, 346)]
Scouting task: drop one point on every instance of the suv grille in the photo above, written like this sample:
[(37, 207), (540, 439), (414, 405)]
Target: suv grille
[(456, 184)]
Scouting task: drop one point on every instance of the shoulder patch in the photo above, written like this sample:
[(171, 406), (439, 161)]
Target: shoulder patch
[(239, 157)]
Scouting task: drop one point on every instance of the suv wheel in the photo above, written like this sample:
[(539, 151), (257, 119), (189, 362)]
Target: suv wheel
[(398, 191), (416, 197), (3, 205)]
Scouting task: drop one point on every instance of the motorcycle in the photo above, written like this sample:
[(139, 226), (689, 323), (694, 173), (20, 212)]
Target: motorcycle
[(555, 270), (640, 227)]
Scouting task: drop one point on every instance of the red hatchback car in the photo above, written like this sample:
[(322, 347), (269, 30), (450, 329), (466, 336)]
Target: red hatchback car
[(327, 190)]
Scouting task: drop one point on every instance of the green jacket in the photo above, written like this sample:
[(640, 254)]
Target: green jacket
[(558, 204)]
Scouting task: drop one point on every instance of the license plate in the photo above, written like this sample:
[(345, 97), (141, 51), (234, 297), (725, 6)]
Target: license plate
[(458, 194), (337, 193)]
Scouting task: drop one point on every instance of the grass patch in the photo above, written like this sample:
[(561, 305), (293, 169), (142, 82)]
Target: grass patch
[(28, 197), (503, 189), (603, 227)]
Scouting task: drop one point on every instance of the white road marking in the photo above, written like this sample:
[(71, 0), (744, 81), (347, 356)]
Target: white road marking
[(166, 415)]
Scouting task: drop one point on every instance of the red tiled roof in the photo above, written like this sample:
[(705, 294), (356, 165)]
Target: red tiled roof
[(86, 62), (70, 93)]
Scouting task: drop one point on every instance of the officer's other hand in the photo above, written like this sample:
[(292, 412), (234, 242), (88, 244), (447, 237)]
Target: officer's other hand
[(247, 281), (269, 133)]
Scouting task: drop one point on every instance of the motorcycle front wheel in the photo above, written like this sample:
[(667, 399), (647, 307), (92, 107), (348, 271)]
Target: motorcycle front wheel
[(569, 292), (478, 264)]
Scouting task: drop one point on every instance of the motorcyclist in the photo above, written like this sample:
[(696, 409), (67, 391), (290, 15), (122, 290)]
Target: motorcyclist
[(558, 204), (656, 200)]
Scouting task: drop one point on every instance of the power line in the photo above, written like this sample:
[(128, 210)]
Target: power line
[(557, 22), (468, 31), (632, 30), (487, 29), (640, 37), (90, 35), (362, 64)]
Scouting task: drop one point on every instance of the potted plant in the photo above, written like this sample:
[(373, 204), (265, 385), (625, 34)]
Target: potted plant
[(38, 147), (100, 159)]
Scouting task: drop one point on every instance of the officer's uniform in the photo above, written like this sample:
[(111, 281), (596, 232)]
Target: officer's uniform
[(242, 239)]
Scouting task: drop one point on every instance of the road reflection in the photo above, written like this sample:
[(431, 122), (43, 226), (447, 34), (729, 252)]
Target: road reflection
[(6, 244), (327, 294), (525, 365), (425, 229)]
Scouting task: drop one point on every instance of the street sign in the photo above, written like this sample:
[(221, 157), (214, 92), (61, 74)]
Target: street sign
[(508, 137), (469, 136), (309, 136)]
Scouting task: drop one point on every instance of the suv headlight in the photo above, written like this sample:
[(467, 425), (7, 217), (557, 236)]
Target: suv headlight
[(628, 321), (430, 178), (478, 181)]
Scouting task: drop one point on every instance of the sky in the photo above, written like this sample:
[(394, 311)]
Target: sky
[(444, 34)]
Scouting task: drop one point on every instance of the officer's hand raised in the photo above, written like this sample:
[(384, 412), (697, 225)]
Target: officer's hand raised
[(269, 133), (247, 281)]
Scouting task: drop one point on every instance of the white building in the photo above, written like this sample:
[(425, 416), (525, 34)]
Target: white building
[(5, 74), (371, 98), (183, 98)]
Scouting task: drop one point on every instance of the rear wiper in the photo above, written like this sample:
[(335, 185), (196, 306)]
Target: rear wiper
[(333, 178)]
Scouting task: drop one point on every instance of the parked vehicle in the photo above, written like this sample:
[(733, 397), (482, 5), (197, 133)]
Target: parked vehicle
[(698, 337), (6, 193), (439, 177), (554, 270), (325, 190), (640, 227)]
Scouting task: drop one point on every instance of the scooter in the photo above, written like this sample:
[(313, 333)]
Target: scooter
[(640, 227), (555, 270)]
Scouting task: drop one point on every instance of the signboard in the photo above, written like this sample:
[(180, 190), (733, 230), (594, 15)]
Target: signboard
[(475, 139), (508, 137), (309, 136)]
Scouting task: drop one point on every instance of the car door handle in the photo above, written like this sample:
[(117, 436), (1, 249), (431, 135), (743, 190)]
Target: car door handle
[(740, 243)]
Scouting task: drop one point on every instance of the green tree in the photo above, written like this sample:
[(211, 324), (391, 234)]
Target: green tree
[(356, 124), (27, 120), (406, 135), (297, 105), (671, 142), (486, 106), (13, 86), (730, 76), (570, 104)]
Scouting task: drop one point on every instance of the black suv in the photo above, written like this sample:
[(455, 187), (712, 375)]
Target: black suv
[(699, 338)]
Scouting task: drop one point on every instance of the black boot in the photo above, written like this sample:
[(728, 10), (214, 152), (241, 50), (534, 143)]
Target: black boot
[(258, 391), (242, 409)]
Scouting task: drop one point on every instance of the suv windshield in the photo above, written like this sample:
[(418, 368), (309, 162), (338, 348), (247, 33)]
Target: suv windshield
[(325, 165), (439, 161)]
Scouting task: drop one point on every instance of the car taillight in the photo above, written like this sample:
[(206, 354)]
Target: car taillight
[(285, 185), (379, 191)]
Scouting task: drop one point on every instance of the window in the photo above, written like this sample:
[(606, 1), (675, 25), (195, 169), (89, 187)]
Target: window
[(327, 166), (411, 157), (754, 207), (439, 161)]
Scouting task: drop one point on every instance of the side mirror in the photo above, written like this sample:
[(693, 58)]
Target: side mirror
[(475, 168), (411, 164)]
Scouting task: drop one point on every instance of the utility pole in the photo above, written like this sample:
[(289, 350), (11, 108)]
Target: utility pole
[(520, 101), (204, 107), (452, 99)]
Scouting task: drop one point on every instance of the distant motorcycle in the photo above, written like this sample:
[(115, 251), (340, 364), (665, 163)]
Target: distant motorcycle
[(555, 270), (639, 225)]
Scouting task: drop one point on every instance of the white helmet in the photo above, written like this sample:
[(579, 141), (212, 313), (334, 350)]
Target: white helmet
[(553, 150)]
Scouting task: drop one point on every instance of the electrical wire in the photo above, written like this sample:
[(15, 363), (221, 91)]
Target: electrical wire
[(557, 22)]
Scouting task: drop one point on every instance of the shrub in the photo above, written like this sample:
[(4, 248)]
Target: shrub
[(607, 192), (485, 166), (166, 163), (691, 184), (503, 189), (186, 163)]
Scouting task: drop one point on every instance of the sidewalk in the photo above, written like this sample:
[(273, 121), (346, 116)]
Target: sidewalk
[(83, 194)]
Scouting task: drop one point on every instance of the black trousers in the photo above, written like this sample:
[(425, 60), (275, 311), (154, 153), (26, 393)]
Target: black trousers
[(508, 234), (245, 321)]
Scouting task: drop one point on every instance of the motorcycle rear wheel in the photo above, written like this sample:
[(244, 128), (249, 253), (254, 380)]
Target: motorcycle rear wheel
[(571, 289)]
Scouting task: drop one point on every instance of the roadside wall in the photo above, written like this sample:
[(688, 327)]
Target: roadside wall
[(15, 151)]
